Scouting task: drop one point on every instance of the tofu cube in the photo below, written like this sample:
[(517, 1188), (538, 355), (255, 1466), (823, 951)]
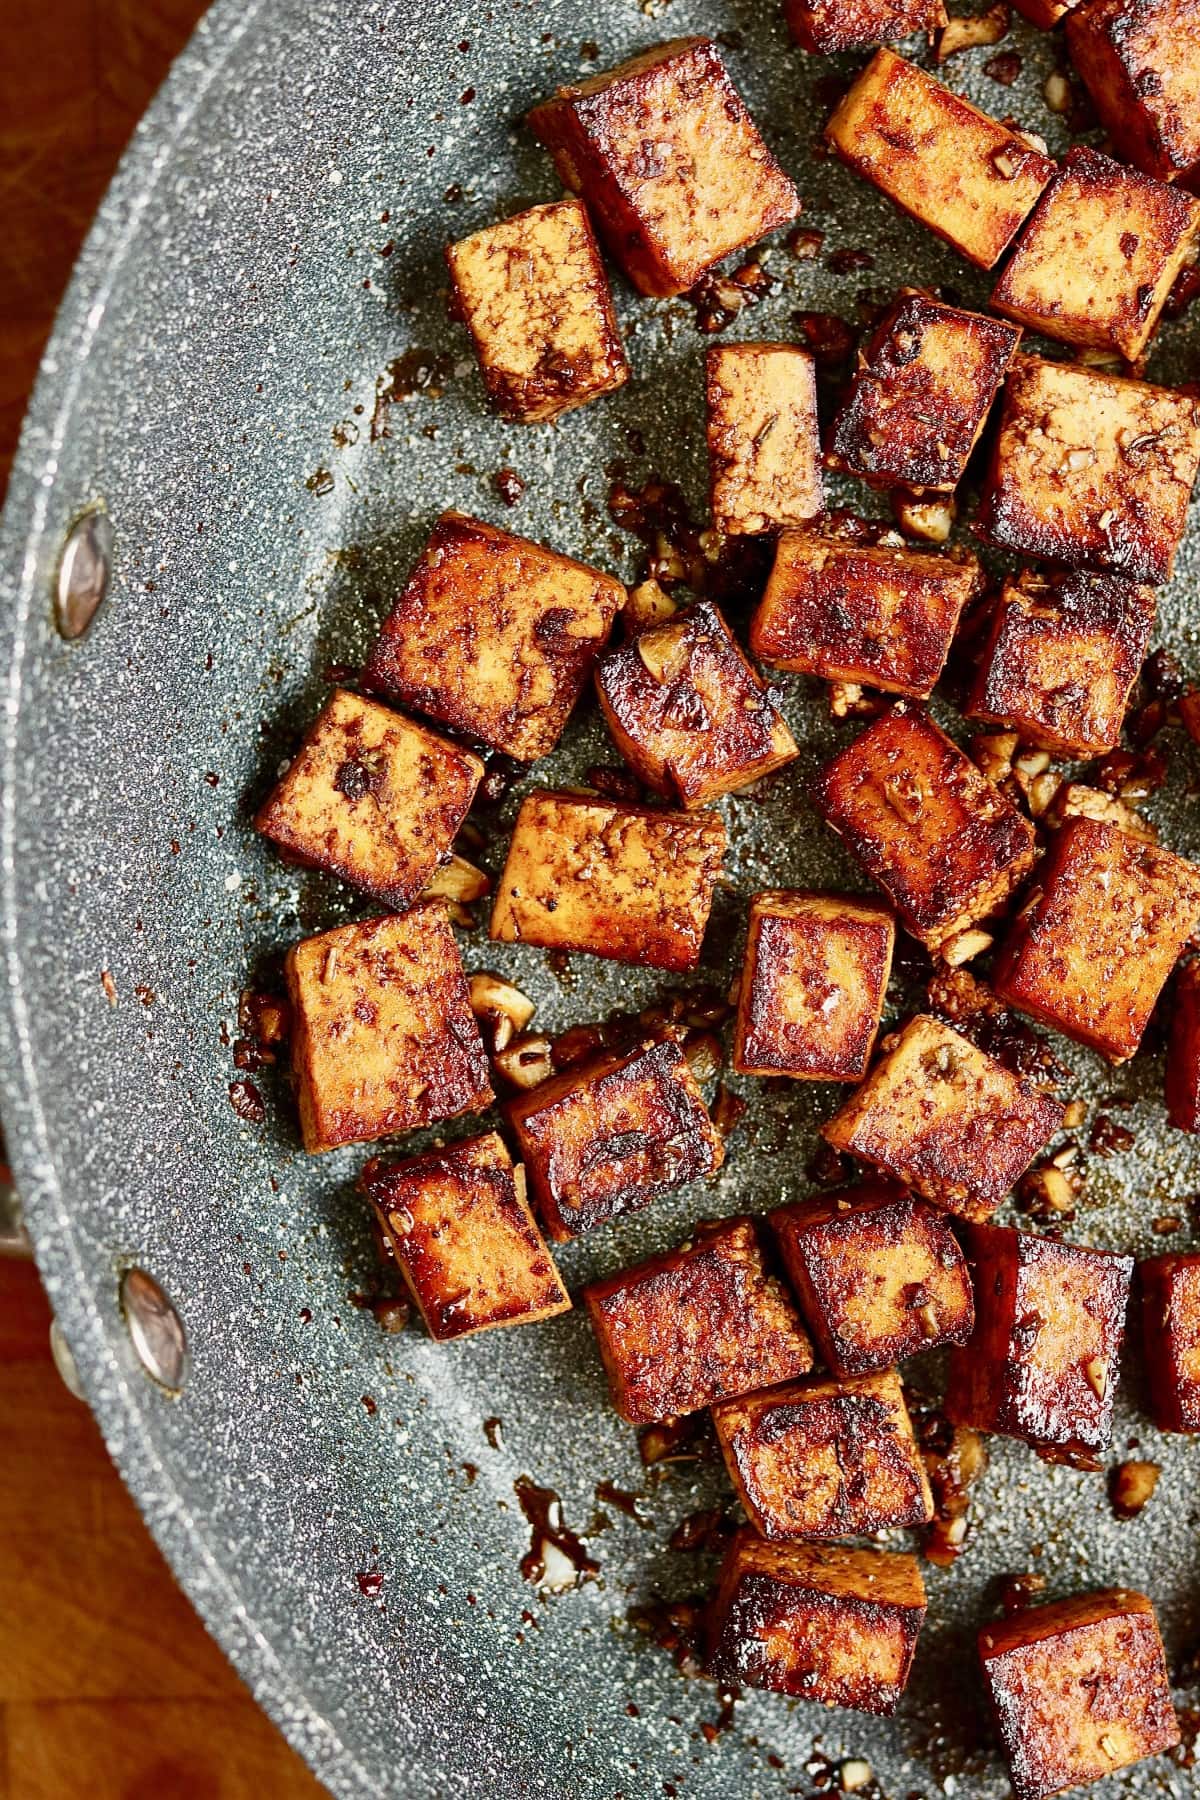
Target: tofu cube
[(669, 161), (372, 797), (686, 710), (1097, 260), (921, 391), (383, 1036), (463, 1237), (1043, 1362), (495, 636), (861, 612), (819, 1621), (1092, 949), (1060, 657), (1141, 67), (533, 293), (879, 1275), (946, 1119), (1171, 1339), (626, 882), (812, 986), (764, 449), (943, 842), (1183, 1054), (1091, 470), (968, 178), (820, 1459), (1077, 1689), (606, 1137), (825, 27), (696, 1325)]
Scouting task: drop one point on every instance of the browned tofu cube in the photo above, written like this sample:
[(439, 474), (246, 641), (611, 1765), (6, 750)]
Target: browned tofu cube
[(819, 1621), (495, 636), (670, 163), (626, 882), (946, 1119), (1097, 260), (945, 845), (383, 1036), (607, 1136), (686, 710), (820, 1459), (1091, 470), (1077, 1689), (879, 1275), (1141, 66), (812, 986), (1183, 1053), (533, 293), (921, 391), (1060, 657), (371, 797), (1171, 1339), (1090, 953), (463, 1237), (1042, 1364), (696, 1325), (945, 163), (764, 451), (861, 612), (824, 27)]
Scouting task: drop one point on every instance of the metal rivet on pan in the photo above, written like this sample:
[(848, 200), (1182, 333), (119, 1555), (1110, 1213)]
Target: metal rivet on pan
[(155, 1330), (64, 1362), (83, 571)]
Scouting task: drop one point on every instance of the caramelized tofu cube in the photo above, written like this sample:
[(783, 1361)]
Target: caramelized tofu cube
[(812, 986), (861, 612), (764, 451), (495, 636), (1092, 949), (626, 882), (1060, 657), (669, 161), (1171, 1337), (463, 1237), (945, 845), (819, 1459), (1097, 260), (818, 1621), (605, 1138), (941, 160), (825, 27), (383, 1036), (1183, 1053), (696, 1325), (686, 710), (533, 293), (1141, 67), (879, 1276), (1091, 470), (920, 394), (1078, 1689), (946, 1119), (1043, 1362)]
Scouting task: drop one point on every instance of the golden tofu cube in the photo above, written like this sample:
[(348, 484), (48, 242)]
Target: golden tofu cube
[(383, 1036), (533, 293), (1091, 470), (921, 391), (626, 882), (606, 1137), (696, 1325), (968, 178), (943, 842), (495, 636), (1141, 67), (1092, 949), (686, 710), (823, 1459), (764, 450), (669, 161), (372, 797), (1171, 1339), (1097, 260), (825, 27), (1182, 1090), (460, 1229)]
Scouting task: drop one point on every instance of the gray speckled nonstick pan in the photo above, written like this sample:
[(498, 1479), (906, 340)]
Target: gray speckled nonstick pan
[(231, 376)]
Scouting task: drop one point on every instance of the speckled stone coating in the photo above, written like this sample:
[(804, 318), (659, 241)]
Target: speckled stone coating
[(218, 365)]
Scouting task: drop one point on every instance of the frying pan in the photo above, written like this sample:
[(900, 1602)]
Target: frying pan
[(254, 374)]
